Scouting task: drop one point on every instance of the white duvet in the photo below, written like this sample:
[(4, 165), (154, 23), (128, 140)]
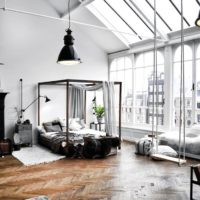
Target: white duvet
[(86, 131)]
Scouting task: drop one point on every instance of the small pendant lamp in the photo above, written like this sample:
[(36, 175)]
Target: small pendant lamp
[(197, 22), (68, 54)]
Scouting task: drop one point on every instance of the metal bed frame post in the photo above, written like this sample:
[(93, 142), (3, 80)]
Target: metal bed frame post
[(85, 94), (38, 104), (120, 107), (67, 111)]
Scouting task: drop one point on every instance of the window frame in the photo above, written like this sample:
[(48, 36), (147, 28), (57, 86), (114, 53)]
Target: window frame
[(161, 51), (133, 106), (194, 45), (168, 53)]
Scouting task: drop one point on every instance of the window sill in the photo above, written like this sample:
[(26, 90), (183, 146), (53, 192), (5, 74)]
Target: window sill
[(143, 128)]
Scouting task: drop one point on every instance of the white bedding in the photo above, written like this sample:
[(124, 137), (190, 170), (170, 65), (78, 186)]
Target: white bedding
[(192, 141), (86, 131), (81, 132)]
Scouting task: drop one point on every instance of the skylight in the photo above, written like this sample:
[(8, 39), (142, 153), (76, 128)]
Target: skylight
[(134, 19)]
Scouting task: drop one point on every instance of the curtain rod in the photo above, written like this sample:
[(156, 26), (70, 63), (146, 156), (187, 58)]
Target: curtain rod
[(5, 8)]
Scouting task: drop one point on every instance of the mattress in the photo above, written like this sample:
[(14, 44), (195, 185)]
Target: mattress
[(192, 142)]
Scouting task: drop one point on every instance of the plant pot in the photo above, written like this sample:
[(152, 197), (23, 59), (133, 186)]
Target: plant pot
[(99, 119)]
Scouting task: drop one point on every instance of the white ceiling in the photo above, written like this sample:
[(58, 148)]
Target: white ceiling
[(105, 39), (58, 8)]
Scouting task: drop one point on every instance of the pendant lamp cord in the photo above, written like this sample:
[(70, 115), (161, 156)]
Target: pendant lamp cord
[(156, 74), (183, 80), (155, 82), (182, 93), (69, 13)]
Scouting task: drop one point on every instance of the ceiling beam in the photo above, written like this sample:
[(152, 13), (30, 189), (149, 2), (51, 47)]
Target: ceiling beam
[(78, 4)]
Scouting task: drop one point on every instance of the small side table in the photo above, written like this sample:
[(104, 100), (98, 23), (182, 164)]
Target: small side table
[(96, 125)]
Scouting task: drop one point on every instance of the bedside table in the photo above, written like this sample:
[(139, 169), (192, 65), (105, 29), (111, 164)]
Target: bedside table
[(97, 126), (25, 133)]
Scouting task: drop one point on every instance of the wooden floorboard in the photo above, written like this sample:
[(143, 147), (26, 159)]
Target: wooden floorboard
[(121, 177)]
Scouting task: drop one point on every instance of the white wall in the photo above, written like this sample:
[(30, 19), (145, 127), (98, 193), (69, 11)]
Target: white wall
[(29, 47)]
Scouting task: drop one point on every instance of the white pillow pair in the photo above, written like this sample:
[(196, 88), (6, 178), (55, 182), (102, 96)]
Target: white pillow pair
[(76, 124)]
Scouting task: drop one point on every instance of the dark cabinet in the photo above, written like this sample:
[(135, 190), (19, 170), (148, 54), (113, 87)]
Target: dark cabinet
[(2, 120), (25, 133)]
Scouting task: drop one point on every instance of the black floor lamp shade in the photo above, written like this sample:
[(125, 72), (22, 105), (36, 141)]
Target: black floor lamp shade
[(47, 99), (68, 54)]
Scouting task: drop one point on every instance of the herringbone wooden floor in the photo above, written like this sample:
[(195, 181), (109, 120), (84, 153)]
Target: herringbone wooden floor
[(125, 176)]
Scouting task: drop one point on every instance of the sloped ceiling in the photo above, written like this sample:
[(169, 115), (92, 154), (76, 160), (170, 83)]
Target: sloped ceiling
[(58, 8), (103, 38)]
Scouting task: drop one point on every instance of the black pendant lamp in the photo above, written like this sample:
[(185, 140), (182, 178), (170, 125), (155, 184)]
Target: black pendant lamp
[(68, 54), (197, 22)]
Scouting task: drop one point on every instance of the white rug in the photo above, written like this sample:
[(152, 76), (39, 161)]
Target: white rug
[(36, 155)]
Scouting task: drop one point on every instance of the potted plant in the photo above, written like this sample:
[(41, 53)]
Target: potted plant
[(99, 112)]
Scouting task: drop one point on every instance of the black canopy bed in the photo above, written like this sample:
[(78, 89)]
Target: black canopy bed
[(91, 142)]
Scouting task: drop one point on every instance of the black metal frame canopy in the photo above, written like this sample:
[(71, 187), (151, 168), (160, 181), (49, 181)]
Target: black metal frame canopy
[(66, 83)]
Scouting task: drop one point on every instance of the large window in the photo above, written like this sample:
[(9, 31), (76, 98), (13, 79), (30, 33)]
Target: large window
[(188, 84), (145, 88), (137, 79), (192, 83), (136, 73), (121, 70), (197, 100)]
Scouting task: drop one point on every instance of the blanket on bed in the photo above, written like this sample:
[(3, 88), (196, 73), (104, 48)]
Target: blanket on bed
[(57, 138)]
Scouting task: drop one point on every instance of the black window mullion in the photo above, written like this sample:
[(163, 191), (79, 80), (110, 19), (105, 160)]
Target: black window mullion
[(198, 2), (139, 16), (122, 19), (179, 12), (159, 16)]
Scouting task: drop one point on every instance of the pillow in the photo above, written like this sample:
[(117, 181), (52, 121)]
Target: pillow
[(50, 127), (47, 124), (74, 125), (57, 123), (164, 150), (82, 123), (40, 129), (62, 121), (192, 135), (195, 129)]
